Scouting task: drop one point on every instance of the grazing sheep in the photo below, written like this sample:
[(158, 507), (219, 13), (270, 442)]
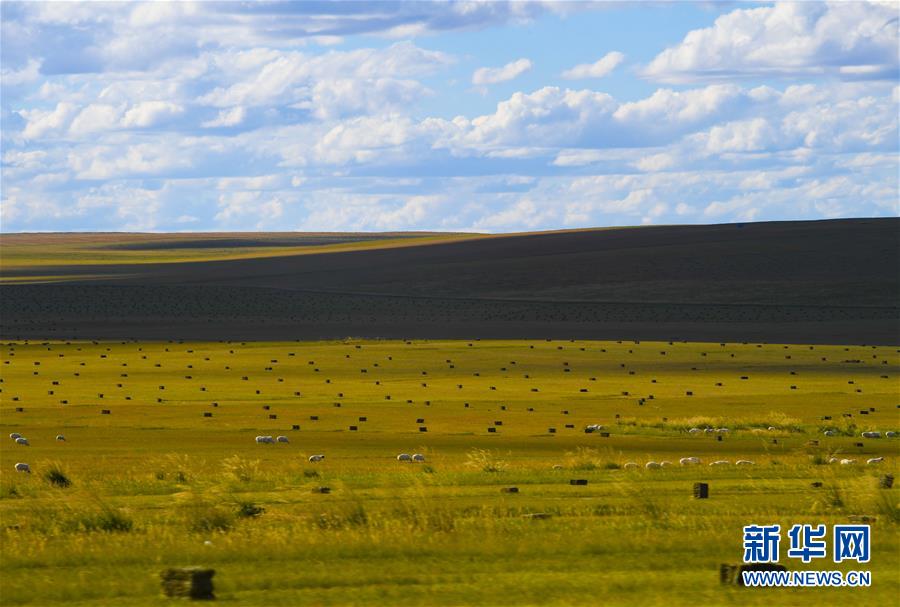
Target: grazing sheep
[(891, 434), (630, 465), (22, 441), (651, 465), (282, 439), (708, 430), (720, 462), (744, 462), (14, 435), (689, 461), (871, 434), (20, 467), (695, 431), (833, 460), (847, 462), (665, 463), (265, 439), (60, 437), (722, 430), (418, 457), (316, 458), (404, 457), (772, 429), (874, 460), (829, 433), (557, 467)]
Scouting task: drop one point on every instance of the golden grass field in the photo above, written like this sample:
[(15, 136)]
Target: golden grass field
[(156, 483)]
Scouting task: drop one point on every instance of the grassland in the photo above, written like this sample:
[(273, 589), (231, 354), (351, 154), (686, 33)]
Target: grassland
[(32, 252), (156, 483)]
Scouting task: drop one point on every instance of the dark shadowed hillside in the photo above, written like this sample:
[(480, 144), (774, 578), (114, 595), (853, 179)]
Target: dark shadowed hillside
[(828, 281)]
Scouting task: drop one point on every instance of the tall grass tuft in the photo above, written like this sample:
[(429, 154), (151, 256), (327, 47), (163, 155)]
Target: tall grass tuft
[(485, 460), (57, 477)]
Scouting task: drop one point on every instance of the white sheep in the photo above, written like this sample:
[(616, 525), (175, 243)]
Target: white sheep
[(14, 435), (720, 462), (651, 465), (557, 467), (871, 434), (708, 430), (630, 465), (891, 434), (847, 462), (282, 439), (316, 458), (688, 461), (265, 440), (665, 463), (695, 431), (744, 462), (829, 433), (772, 429), (833, 460), (418, 457), (404, 457), (60, 437), (722, 430), (874, 460), (22, 441), (21, 467)]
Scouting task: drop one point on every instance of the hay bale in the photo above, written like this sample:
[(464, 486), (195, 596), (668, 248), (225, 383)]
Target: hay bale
[(578, 481), (886, 481), (701, 491), (188, 582), (509, 490)]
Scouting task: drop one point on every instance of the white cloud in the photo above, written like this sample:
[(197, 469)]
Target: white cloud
[(655, 162), (493, 75), (230, 117), (577, 158), (150, 113), (29, 73), (41, 122), (789, 39), (108, 162), (600, 68)]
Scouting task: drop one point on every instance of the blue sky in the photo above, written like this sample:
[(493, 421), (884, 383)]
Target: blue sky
[(463, 116)]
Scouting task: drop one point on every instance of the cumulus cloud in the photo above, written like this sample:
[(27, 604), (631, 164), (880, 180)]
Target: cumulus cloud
[(150, 113), (230, 117), (493, 75), (789, 39), (227, 115), (600, 68)]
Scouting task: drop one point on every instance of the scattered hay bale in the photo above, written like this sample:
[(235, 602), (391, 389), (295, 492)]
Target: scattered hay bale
[(701, 491), (188, 582), (578, 481), (509, 490), (886, 481)]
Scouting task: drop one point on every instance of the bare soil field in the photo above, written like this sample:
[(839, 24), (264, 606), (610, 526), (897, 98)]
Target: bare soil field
[(787, 282)]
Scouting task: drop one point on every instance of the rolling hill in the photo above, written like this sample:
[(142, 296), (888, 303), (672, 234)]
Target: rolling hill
[(812, 282)]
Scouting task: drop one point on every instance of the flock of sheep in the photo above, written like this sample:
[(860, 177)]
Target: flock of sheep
[(268, 440), (868, 434)]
